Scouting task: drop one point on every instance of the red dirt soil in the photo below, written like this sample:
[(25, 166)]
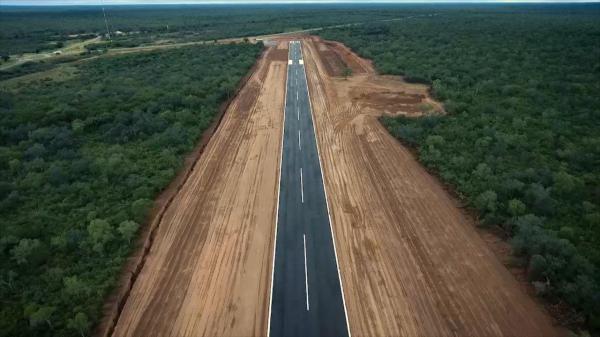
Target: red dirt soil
[(208, 270), (412, 263)]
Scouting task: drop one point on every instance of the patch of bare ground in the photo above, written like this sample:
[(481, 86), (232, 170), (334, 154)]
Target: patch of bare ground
[(207, 268), (280, 54), (335, 53), (412, 263), (371, 93)]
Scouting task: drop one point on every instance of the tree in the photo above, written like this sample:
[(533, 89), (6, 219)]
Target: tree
[(9, 282), (486, 201), (537, 267), (74, 287), (483, 172), (35, 151), (140, 208), (127, 229), (41, 315), (564, 183), (100, 233), (80, 323), (25, 250), (516, 207), (439, 90)]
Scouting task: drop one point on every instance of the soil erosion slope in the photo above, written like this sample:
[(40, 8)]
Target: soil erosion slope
[(412, 264), (208, 272)]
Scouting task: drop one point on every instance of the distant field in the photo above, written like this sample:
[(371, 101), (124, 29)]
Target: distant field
[(82, 156), (521, 141)]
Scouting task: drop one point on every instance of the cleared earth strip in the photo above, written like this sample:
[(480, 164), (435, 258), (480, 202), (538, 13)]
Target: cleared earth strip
[(117, 300)]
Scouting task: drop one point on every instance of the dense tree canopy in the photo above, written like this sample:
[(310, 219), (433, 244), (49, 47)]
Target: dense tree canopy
[(81, 160), (521, 141), (31, 29)]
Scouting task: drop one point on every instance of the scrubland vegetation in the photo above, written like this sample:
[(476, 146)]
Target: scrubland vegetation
[(521, 141), (81, 160), (27, 30)]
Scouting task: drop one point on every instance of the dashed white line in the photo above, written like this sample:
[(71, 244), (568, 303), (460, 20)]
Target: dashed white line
[(298, 113), (327, 203), (301, 186), (306, 274), (299, 142)]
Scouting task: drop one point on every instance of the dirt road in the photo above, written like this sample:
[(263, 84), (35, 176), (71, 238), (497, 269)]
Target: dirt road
[(208, 272), (411, 262)]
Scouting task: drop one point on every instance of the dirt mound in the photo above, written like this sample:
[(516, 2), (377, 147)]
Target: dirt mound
[(333, 64), (337, 58), (351, 60)]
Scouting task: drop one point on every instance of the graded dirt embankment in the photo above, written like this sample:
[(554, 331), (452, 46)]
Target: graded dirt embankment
[(208, 271), (412, 263)]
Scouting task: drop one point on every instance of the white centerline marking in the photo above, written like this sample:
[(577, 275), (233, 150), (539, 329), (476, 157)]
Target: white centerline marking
[(299, 143), (306, 274), (327, 201), (298, 113), (301, 186)]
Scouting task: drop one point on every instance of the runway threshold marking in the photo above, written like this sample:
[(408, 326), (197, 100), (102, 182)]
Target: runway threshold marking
[(306, 274), (325, 315)]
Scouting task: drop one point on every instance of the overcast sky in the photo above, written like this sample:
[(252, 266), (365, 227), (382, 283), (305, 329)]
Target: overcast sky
[(122, 2)]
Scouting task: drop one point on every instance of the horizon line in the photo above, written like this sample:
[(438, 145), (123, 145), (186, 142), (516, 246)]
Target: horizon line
[(275, 2)]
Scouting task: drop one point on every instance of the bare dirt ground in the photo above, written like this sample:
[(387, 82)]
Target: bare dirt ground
[(71, 49), (412, 263), (208, 270)]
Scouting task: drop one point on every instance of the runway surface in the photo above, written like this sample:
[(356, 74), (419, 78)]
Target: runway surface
[(307, 296)]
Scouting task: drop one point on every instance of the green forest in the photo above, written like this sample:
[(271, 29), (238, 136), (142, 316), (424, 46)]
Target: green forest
[(520, 143), (37, 29), (81, 160)]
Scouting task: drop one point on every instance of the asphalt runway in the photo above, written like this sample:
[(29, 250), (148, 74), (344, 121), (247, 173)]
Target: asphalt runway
[(307, 297)]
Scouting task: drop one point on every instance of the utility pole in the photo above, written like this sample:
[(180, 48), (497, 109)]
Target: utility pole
[(105, 21)]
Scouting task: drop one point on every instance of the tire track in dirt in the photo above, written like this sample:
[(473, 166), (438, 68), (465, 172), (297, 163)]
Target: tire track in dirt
[(208, 270), (412, 263)]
